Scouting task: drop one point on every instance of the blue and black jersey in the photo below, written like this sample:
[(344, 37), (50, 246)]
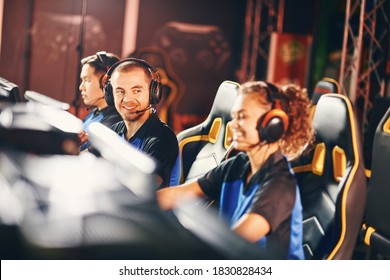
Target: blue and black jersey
[(272, 192), (157, 140), (106, 116)]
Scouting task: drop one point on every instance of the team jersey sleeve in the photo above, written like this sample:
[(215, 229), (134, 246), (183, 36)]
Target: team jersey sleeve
[(211, 183), (165, 151)]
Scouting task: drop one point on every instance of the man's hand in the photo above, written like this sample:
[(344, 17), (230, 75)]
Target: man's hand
[(83, 137)]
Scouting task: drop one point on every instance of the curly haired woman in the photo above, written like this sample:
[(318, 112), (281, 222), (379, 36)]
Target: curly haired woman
[(257, 191)]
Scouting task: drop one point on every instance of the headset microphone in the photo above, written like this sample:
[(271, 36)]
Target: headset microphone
[(143, 110)]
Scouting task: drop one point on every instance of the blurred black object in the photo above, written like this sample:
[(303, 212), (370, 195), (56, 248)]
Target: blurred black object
[(212, 230), (74, 207), (9, 92), (38, 128)]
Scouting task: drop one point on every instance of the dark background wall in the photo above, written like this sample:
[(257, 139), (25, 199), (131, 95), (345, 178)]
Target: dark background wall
[(41, 41), (203, 40)]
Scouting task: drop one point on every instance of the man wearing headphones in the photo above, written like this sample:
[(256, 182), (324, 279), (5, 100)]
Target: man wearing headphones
[(93, 69), (133, 86), (257, 190)]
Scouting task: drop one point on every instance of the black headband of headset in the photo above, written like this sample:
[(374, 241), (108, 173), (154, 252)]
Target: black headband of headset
[(137, 60), (273, 92), (104, 60)]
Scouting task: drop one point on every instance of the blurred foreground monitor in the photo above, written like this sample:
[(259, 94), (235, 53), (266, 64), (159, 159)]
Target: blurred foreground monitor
[(67, 206), (38, 128)]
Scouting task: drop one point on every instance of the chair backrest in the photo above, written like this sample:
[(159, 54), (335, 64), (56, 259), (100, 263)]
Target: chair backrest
[(377, 220), (380, 105), (333, 184), (202, 147), (324, 86)]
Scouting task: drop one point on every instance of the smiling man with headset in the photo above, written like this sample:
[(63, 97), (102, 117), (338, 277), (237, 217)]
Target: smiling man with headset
[(133, 87), (257, 190), (94, 67)]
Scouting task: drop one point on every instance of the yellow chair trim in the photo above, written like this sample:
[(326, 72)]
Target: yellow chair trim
[(386, 126), (368, 173), (214, 130), (312, 111), (211, 137), (228, 136), (184, 142), (339, 163), (192, 139), (367, 236), (350, 178), (319, 159), (334, 82), (303, 168)]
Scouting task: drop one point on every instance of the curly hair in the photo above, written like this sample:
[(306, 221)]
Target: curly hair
[(295, 102), (300, 131)]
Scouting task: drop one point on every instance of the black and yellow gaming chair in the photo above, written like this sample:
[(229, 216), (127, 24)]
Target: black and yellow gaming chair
[(377, 219), (324, 86), (380, 105), (202, 147), (333, 184)]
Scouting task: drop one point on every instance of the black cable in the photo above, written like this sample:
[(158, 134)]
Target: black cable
[(80, 51)]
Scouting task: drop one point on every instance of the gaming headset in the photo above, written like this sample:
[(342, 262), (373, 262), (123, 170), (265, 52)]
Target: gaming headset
[(103, 59), (274, 123), (105, 62), (155, 88)]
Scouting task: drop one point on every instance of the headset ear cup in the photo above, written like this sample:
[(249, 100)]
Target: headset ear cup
[(155, 92), (107, 89), (108, 96), (272, 125), (261, 129)]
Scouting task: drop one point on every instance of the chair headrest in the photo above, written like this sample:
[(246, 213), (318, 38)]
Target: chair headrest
[(324, 86), (224, 99)]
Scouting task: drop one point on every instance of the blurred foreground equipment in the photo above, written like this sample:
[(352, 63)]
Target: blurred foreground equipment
[(59, 205)]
